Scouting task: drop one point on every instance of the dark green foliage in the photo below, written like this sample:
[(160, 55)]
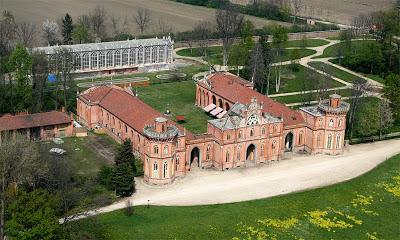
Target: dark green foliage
[(392, 92), (105, 177), (67, 28), (123, 179), (33, 216), (367, 58), (123, 36), (124, 170)]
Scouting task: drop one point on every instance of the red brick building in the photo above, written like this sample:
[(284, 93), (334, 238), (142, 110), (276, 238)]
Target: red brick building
[(249, 128), (40, 126)]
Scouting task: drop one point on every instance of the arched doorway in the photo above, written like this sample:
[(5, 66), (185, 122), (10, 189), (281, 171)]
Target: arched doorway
[(195, 157), (289, 142), (251, 153), (214, 100), (227, 106), (220, 103)]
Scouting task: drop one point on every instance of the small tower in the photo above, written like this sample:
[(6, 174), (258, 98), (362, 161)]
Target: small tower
[(334, 100), (160, 124)]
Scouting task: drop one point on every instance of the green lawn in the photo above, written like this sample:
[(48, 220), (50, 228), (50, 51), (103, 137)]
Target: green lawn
[(214, 54), (299, 81), (309, 96), (333, 51), (364, 208), (333, 71), (306, 43), (181, 97), (189, 70)]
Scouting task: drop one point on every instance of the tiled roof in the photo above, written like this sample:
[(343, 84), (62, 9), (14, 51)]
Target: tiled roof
[(126, 107), (234, 90), (9, 122)]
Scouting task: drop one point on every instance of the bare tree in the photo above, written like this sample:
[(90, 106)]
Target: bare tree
[(84, 20), (257, 67), (62, 63), (229, 23), (98, 22), (25, 33), (7, 33), (19, 162), (385, 116), (115, 20), (40, 72), (297, 6), (50, 32), (202, 32), (125, 24), (142, 19), (162, 27)]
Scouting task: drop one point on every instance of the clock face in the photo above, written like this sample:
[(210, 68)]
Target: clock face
[(253, 119)]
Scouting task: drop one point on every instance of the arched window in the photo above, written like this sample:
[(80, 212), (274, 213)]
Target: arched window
[(319, 140), (330, 124), (238, 153), (273, 146), (251, 132), (340, 123), (227, 156), (177, 163), (240, 133), (208, 152), (155, 170), (320, 122), (338, 142), (274, 129), (262, 150), (155, 149), (165, 149), (147, 166), (301, 138), (263, 131), (165, 170), (228, 136), (329, 142)]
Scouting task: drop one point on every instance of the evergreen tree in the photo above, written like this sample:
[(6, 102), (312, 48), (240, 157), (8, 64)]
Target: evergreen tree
[(20, 62), (67, 29), (124, 170)]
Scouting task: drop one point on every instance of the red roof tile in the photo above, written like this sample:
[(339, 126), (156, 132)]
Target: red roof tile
[(33, 120), (126, 107), (234, 90)]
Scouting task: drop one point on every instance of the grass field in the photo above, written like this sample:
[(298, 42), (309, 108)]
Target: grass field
[(306, 43), (333, 71), (333, 51), (298, 81), (309, 96), (214, 54), (364, 208), (170, 14), (181, 97)]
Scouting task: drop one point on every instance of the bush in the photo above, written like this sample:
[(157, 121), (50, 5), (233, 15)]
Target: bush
[(105, 177)]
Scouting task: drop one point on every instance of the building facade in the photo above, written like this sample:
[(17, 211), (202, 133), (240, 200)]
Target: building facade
[(38, 126), (248, 129), (114, 57)]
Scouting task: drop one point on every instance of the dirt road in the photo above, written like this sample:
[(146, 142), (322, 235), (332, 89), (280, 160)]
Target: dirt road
[(299, 174)]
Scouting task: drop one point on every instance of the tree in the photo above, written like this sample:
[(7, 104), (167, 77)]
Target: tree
[(257, 67), (124, 170), (20, 62), (115, 20), (229, 23), (162, 27), (279, 39), (359, 89), (202, 33), (297, 6), (385, 116), (67, 29), (142, 19), (50, 32), (33, 216), (240, 54), (367, 119), (80, 34), (19, 163), (25, 33), (40, 72), (98, 22), (7, 33), (391, 92)]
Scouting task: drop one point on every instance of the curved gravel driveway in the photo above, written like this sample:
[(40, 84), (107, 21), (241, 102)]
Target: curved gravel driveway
[(301, 173)]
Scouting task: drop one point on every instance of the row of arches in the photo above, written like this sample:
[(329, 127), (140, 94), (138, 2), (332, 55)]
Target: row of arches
[(205, 98)]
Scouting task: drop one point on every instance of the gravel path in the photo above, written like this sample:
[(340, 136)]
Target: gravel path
[(298, 174)]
